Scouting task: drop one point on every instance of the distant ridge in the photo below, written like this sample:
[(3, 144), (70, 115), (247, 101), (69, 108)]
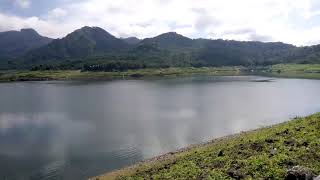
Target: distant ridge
[(16, 43), (81, 43), (169, 40), (131, 40), (94, 45)]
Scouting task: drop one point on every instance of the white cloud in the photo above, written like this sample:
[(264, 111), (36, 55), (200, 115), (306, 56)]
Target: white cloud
[(23, 3), (266, 19), (47, 28), (57, 13)]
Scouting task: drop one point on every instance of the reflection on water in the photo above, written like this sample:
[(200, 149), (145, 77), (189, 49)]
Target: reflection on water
[(74, 130)]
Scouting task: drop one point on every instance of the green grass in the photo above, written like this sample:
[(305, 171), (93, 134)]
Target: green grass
[(265, 153), (308, 71), (78, 75)]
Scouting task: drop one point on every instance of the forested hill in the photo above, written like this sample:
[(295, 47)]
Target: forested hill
[(96, 49), (16, 43), (82, 43)]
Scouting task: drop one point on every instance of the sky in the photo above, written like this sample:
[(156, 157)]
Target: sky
[(291, 21)]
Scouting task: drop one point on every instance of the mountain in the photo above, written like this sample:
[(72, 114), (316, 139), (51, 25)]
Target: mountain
[(306, 55), (224, 52), (16, 43), (207, 52), (95, 46), (169, 40), (82, 43), (131, 40)]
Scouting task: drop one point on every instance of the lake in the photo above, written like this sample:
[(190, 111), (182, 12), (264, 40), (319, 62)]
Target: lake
[(75, 130)]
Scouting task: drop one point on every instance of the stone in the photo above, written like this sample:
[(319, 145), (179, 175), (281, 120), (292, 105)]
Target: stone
[(316, 178), (235, 173), (299, 128), (270, 141), (305, 143), (220, 153), (286, 131), (299, 173), (257, 147), (273, 151), (290, 142)]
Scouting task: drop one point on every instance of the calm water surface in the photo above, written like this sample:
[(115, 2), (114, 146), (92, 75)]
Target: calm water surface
[(74, 130)]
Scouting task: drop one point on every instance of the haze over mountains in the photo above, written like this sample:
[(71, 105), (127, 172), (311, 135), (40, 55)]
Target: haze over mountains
[(93, 45)]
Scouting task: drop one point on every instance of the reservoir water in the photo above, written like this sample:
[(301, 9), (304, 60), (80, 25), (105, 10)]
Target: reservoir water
[(77, 129)]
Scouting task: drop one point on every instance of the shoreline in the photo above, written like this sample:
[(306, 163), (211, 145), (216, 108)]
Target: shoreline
[(169, 155), (170, 159), (281, 71), (65, 75)]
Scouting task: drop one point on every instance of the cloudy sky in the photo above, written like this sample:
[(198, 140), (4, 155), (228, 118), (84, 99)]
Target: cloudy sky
[(290, 21)]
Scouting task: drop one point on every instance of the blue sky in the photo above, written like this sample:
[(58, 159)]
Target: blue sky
[(291, 21), (27, 8)]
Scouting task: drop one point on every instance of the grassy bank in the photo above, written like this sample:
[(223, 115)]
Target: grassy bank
[(78, 75), (281, 70), (307, 71), (265, 153)]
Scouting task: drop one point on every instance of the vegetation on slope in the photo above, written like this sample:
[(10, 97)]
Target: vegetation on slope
[(81, 43), (90, 75), (308, 71), (16, 43), (93, 45), (169, 49), (265, 153), (118, 70)]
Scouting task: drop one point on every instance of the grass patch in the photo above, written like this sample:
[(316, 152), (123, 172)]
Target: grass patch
[(265, 153), (78, 75), (307, 71)]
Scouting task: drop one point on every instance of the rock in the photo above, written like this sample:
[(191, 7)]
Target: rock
[(286, 131), (299, 173), (218, 164), (257, 147), (316, 178), (270, 141), (273, 151), (290, 163), (235, 173), (220, 153), (299, 128), (283, 133), (290, 142), (305, 144), (241, 146)]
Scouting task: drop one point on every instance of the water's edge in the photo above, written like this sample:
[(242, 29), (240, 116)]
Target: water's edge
[(170, 156)]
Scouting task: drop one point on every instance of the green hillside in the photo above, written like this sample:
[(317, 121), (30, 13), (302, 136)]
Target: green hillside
[(266, 153), (93, 46)]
